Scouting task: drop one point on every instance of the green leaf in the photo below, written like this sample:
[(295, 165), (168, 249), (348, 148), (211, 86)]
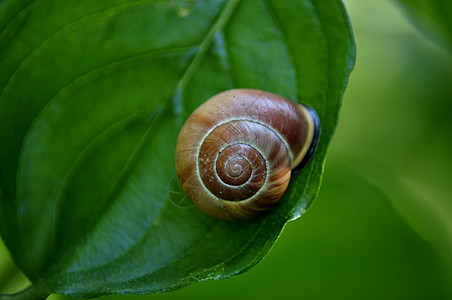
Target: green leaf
[(433, 17), (93, 96), (426, 209)]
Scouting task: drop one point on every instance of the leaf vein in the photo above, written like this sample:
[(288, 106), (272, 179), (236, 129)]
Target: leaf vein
[(61, 32)]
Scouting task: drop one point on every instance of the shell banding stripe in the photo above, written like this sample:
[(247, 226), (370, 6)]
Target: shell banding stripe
[(247, 141), (259, 134)]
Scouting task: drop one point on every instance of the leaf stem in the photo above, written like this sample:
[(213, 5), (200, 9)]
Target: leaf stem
[(33, 292)]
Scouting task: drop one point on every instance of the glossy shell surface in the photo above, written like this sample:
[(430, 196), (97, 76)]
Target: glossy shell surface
[(235, 153)]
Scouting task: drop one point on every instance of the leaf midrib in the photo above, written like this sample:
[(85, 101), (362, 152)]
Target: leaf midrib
[(205, 44)]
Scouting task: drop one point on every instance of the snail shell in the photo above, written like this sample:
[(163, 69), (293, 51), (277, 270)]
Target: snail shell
[(235, 153)]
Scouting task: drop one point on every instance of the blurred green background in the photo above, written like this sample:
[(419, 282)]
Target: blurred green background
[(382, 225)]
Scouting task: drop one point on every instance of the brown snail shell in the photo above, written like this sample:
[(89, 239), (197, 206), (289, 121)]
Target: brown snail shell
[(235, 153)]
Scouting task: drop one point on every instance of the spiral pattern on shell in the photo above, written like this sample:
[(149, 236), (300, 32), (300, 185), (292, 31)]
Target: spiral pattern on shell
[(235, 153)]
